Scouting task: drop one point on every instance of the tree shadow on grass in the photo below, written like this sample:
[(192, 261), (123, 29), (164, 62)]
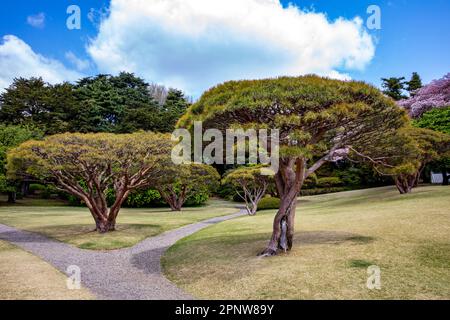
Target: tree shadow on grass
[(220, 252), (148, 261), (88, 229), (330, 237), (300, 238)]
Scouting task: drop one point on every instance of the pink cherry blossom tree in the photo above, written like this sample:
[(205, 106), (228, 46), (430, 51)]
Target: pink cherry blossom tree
[(434, 95)]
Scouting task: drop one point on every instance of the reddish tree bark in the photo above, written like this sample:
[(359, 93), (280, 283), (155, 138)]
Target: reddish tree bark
[(174, 200)]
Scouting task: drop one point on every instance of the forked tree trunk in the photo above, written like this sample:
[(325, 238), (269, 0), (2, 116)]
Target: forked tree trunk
[(405, 183), (176, 205), (105, 218), (252, 196), (174, 200), (106, 226), (103, 223), (251, 210)]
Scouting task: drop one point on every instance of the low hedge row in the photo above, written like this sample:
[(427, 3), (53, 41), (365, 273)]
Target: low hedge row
[(269, 203), (317, 191), (148, 198)]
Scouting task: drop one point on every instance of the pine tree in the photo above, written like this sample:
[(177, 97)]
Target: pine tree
[(174, 107), (393, 87), (414, 84)]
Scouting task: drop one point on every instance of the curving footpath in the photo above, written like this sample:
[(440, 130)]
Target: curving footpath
[(126, 274)]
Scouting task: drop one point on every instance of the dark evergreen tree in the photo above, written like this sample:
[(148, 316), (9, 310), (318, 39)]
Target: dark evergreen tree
[(39, 104), (104, 103), (174, 107), (25, 102), (115, 104), (414, 84), (393, 87)]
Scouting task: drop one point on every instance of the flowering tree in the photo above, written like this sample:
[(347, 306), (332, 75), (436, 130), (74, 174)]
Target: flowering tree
[(434, 95)]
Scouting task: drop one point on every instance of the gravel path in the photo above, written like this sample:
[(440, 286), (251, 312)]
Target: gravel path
[(126, 274)]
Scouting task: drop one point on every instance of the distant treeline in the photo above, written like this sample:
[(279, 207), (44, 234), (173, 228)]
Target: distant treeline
[(104, 103)]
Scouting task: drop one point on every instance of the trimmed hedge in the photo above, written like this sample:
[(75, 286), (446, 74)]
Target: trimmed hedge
[(269, 203), (148, 198), (329, 182), (317, 191)]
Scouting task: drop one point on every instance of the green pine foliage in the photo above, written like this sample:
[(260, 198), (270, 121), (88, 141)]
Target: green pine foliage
[(437, 119), (414, 84)]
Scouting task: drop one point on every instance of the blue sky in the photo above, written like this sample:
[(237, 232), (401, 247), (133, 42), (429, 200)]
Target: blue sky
[(414, 36)]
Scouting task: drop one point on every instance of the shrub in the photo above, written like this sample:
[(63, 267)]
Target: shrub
[(74, 201), (144, 198), (310, 182), (49, 191), (317, 191), (329, 182), (228, 192), (36, 188), (43, 191), (197, 199), (269, 203), (352, 175), (148, 198)]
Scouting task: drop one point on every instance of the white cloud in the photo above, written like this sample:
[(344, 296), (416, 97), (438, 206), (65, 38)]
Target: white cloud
[(95, 16), (80, 64), (195, 44), (17, 59), (37, 20)]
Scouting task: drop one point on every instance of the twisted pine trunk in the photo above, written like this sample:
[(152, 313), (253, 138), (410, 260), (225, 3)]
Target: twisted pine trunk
[(283, 226), (289, 183)]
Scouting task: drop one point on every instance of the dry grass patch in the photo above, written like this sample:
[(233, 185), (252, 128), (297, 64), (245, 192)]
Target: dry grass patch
[(338, 236), (26, 277)]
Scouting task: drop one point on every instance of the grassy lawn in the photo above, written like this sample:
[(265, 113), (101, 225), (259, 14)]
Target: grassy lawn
[(338, 237), (25, 277), (74, 225)]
